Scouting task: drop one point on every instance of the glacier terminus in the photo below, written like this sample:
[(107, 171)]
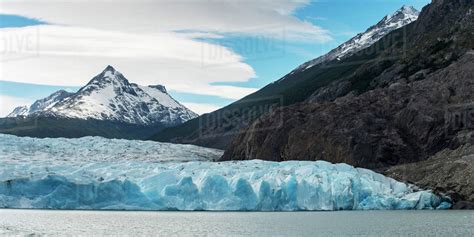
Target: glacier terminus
[(109, 174)]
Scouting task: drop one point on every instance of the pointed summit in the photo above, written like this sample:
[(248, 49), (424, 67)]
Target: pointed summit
[(108, 76), (110, 96), (409, 10), (110, 72), (403, 16), (109, 68)]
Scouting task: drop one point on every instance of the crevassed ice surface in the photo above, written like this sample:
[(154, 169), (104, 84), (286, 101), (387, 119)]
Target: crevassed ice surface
[(99, 173)]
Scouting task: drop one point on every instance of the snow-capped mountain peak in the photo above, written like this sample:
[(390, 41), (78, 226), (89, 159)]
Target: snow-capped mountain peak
[(111, 74), (109, 70), (409, 11), (19, 111), (110, 96), (49, 101), (41, 104), (403, 16)]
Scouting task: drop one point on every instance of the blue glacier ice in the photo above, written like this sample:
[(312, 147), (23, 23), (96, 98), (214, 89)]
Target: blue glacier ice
[(99, 173)]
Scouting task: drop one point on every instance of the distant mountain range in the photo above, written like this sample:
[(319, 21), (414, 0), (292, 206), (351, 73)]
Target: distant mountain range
[(217, 129), (108, 98)]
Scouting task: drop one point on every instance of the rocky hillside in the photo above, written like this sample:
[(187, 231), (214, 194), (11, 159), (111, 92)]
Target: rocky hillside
[(409, 101), (450, 172), (217, 129), (402, 123)]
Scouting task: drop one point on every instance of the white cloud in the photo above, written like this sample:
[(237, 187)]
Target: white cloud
[(140, 39), (201, 108), (71, 56), (8, 103), (262, 17)]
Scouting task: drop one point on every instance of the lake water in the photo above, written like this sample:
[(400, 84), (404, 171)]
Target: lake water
[(352, 223)]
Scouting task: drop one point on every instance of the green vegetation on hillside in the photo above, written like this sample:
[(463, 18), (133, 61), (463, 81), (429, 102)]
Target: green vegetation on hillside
[(73, 128)]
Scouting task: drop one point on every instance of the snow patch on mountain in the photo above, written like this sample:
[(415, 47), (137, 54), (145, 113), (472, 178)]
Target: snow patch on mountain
[(391, 22), (19, 111), (41, 105), (162, 96), (110, 96)]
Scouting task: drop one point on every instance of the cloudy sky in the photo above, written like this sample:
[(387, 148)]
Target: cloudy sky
[(207, 53)]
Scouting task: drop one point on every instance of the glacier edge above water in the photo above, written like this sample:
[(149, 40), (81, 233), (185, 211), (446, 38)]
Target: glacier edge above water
[(37, 173)]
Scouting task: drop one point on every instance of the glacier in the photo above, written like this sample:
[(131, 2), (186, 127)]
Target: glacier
[(112, 174)]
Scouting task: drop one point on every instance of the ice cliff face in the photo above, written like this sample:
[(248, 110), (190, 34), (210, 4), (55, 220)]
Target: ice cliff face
[(97, 173), (110, 96)]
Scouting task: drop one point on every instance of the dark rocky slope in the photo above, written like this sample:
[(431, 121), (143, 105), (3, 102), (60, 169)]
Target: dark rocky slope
[(405, 122), (217, 129), (449, 171), (409, 101), (442, 33)]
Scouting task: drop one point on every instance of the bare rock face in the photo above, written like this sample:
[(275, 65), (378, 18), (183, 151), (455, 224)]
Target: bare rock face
[(217, 129), (406, 122), (420, 132), (449, 172), (408, 106)]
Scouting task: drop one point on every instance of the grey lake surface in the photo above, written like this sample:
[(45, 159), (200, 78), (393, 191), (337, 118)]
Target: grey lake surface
[(343, 223)]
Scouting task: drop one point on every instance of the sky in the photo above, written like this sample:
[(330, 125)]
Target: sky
[(206, 53)]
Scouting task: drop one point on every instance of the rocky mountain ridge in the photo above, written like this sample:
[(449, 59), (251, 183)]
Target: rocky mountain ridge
[(108, 106), (391, 22), (110, 96), (41, 104)]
